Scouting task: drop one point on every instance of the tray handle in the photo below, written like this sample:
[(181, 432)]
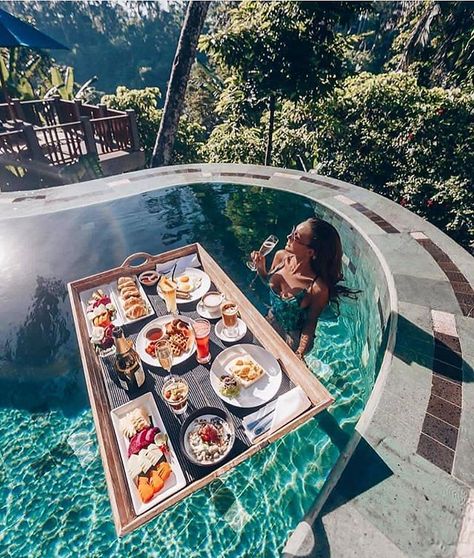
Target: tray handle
[(128, 261)]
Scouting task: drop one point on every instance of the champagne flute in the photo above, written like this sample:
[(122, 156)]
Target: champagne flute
[(164, 354), (265, 249)]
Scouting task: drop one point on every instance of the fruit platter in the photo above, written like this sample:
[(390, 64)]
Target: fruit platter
[(101, 314), (151, 467)]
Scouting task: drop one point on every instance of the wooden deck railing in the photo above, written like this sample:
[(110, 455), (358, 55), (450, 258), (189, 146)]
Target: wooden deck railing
[(59, 132), (13, 145), (62, 144), (112, 134)]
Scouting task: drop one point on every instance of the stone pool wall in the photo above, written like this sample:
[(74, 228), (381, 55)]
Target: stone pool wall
[(405, 486)]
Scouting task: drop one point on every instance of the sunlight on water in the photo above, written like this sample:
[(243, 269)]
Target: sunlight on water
[(53, 497)]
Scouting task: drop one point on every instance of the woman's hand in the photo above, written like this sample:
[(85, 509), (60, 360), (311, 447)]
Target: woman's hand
[(259, 262)]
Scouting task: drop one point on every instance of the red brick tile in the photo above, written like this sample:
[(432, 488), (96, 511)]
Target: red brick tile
[(440, 431), (446, 390), (444, 410), (436, 453)]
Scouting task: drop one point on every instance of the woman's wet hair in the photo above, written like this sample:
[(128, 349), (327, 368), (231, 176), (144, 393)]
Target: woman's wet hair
[(327, 260)]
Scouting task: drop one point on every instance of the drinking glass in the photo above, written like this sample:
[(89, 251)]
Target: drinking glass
[(266, 247), (168, 288), (229, 311), (164, 354), (202, 329), (175, 392)]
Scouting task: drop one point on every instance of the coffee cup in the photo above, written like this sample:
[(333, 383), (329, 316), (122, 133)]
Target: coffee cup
[(212, 301)]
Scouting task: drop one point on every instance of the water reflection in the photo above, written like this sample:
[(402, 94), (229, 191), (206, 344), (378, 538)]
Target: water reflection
[(37, 339), (44, 330)]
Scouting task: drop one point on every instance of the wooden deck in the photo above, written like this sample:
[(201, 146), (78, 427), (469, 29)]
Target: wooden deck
[(124, 516)]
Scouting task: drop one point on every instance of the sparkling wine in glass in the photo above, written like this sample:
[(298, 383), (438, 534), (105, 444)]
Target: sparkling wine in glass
[(164, 354), (265, 249)]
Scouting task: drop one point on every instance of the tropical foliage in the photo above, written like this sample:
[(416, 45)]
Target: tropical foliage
[(144, 102), (376, 93), (410, 143)]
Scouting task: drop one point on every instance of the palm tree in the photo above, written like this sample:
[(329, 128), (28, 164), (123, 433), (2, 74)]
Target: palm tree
[(183, 60), (447, 30)]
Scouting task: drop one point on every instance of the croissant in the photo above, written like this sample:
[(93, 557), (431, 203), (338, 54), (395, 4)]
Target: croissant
[(128, 292), (132, 301), (136, 311), (122, 281)]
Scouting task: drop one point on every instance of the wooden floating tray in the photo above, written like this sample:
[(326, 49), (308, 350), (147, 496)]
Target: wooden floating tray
[(97, 374)]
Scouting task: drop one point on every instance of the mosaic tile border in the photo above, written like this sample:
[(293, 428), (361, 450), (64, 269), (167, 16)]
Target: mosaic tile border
[(440, 430), (320, 182), (374, 217), (463, 291)]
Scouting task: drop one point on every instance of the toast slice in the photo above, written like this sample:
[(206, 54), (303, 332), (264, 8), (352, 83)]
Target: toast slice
[(245, 370)]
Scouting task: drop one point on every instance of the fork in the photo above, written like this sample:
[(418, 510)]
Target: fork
[(262, 428), (254, 423)]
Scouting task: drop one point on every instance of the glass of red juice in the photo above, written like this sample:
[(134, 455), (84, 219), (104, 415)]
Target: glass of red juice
[(202, 329)]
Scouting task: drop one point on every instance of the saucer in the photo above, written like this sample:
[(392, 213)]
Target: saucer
[(220, 331), (204, 312)]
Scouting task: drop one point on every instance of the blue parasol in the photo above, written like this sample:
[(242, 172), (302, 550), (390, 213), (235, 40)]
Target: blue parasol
[(16, 33)]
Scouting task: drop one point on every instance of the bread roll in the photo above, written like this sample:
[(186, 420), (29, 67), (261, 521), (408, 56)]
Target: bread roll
[(136, 311), (132, 301), (129, 292), (122, 281)]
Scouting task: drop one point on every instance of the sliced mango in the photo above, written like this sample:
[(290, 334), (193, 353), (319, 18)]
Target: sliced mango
[(146, 490), (164, 470), (156, 481)]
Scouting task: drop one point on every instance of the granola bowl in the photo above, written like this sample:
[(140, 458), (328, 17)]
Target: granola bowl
[(207, 436)]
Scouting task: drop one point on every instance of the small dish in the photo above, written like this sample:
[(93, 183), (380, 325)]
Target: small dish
[(221, 332), (204, 312), (148, 278), (203, 417)]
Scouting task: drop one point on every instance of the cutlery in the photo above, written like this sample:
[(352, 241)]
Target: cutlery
[(263, 428), (254, 423)]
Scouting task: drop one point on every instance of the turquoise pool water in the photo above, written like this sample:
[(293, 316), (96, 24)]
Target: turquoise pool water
[(53, 497)]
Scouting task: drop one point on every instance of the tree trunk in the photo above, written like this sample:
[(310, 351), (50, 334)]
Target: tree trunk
[(183, 60), (268, 152)]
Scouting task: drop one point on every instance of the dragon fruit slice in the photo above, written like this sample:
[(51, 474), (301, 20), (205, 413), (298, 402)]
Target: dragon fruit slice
[(142, 440)]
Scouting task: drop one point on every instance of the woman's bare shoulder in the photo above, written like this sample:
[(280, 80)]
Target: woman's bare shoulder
[(279, 256)]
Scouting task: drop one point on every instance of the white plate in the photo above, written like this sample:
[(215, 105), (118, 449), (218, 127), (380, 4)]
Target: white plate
[(259, 392), (108, 290), (204, 312), (142, 342), (221, 332), (189, 450), (176, 480), (196, 275), (121, 310)]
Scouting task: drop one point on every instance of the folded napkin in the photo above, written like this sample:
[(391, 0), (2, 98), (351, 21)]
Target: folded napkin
[(166, 268), (287, 407)]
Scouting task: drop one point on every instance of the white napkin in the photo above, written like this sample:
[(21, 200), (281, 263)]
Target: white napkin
[(287, 407), (166, 268)]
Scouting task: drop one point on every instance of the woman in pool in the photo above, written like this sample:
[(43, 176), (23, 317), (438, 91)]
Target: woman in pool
[(303, 279)]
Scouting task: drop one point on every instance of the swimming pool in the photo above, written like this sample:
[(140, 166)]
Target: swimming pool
[(53, 494)]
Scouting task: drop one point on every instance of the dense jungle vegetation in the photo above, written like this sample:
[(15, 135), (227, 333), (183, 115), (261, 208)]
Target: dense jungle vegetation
[(376, 93)]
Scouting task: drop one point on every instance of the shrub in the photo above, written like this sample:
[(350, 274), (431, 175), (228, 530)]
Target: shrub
[(412, 144), (144, 102)]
